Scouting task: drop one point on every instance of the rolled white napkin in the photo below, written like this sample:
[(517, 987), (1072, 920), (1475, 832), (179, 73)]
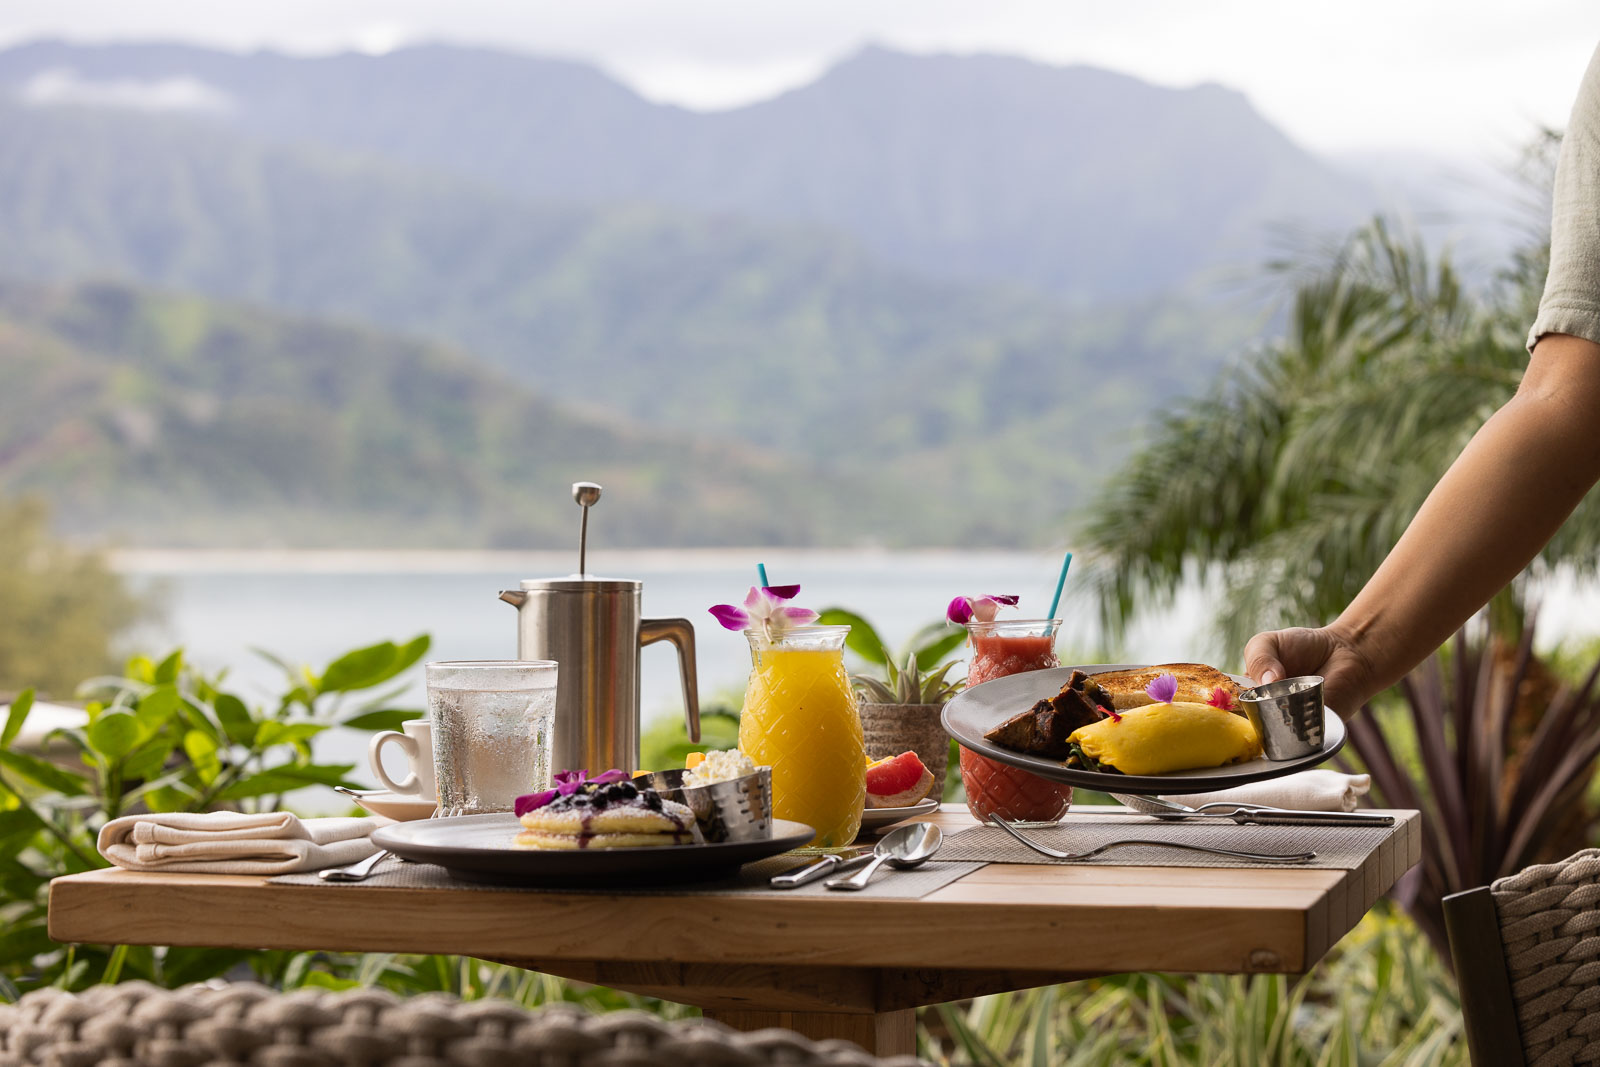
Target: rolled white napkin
[(230, 842), (1305, 791)]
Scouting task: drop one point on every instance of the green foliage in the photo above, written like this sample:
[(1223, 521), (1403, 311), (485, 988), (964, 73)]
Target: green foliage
[(161, 737), (1294, 476), (63, 608), (666, 745), (913, 675), (1382, 998)]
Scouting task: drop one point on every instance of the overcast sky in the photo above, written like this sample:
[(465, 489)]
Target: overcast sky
[(1469, 78)]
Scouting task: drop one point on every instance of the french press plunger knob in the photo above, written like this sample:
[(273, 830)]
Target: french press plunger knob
[(587, 494)]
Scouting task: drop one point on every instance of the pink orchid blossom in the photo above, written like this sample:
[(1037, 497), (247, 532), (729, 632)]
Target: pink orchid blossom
[(765, 607), (965, 609), (1163, 689), (567, 783)]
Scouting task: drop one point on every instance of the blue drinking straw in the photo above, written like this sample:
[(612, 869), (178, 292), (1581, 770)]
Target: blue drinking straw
[(1055, 602), (761, 569)]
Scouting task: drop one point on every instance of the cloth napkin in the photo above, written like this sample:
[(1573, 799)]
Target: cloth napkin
[(1306, 791), (230, 842)]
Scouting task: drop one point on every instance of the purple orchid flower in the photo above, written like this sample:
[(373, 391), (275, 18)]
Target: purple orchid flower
[(964, 609), (567, 783), (766, 607), (1163, 689)]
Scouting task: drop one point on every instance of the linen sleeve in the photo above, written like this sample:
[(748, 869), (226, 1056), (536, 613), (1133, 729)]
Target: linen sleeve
[(1571, 301)]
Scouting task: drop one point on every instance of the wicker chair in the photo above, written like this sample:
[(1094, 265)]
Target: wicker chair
[(1527, 954), (136, 1023)]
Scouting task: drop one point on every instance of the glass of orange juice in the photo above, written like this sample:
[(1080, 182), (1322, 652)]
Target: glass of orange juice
[(800, 719)]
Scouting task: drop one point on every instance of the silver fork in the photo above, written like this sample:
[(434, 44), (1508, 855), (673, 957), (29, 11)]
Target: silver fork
[(1184, 809), (356, 872), (1055, 853)]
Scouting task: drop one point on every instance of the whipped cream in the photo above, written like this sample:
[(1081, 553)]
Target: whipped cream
[(722, 766)]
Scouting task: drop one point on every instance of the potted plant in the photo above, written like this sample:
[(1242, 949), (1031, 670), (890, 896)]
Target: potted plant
[(901, 702)]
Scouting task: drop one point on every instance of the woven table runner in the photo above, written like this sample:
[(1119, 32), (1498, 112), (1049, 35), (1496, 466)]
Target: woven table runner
[(1342, 848), (887, 884)]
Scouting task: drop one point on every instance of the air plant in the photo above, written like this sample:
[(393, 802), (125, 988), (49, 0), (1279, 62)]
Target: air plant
[(917, 674), (908, 684), (1492, 800)]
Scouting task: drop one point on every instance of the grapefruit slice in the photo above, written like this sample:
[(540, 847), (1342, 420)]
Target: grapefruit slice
[(897, 781)]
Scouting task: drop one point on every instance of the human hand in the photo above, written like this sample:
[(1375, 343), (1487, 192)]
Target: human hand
[(1347, 677)]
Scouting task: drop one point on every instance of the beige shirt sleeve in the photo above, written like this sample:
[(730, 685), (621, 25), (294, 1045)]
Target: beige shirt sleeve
[(1571, 302)]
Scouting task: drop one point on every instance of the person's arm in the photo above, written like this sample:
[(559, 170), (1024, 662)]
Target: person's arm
[(1504, 497)]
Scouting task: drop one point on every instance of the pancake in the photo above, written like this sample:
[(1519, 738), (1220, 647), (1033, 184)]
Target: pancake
[(539, 840), (617, 815)]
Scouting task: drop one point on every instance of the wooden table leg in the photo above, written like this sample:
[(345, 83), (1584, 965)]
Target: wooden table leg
[(884, 1033), (874, 1007)]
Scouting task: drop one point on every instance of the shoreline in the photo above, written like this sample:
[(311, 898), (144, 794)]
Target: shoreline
[(183, 561)]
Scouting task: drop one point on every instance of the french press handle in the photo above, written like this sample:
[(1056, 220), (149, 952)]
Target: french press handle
[(681, 633)]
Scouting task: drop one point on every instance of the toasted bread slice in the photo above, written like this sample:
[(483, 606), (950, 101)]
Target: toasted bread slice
[(1195, 683)]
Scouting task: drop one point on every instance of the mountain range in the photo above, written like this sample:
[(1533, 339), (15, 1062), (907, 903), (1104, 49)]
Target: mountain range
[(1075, 180), (925, 300)]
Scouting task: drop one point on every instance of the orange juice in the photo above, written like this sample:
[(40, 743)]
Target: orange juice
[(800, 719)]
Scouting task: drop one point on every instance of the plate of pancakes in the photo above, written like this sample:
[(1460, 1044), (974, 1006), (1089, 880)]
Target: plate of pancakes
[(599, 835), (1009, 720)]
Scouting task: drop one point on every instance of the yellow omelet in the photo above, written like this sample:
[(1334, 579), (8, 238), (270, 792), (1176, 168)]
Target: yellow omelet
[(1162, 738)]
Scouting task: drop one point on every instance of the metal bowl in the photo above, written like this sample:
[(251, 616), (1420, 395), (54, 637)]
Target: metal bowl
[(739, 809)]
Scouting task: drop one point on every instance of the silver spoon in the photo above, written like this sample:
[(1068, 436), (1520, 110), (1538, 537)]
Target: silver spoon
[(909, 846), (356, 872)]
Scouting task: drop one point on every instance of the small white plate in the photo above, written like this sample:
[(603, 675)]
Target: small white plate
[(401, 807), (874, 819)]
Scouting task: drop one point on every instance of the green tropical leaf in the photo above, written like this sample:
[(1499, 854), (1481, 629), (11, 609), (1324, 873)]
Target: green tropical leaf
[(386, 719), (20, 706), (201, 749), (157, 706), (286, 778), (235, 718), (273, 732), (370, 666), (167, 671), (114, 733), (39, 772), (863, 640), (936, 641)]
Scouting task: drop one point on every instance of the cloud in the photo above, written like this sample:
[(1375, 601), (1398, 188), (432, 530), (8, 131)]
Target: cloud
[(63, 85)]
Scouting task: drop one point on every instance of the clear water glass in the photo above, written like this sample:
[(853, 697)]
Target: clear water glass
[(491, 731)]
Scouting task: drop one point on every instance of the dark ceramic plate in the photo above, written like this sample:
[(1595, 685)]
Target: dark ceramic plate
[(980, 709), (480, 848)]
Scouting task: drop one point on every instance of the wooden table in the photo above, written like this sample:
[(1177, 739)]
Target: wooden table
[(836, 966)]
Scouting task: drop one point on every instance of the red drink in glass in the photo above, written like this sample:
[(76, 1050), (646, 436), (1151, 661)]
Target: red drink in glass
[(1000, 649)]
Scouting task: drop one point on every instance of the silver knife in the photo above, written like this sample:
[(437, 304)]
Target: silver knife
[(1260, 816), (822, 868)]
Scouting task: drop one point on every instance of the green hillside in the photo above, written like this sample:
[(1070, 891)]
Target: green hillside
[(791, 339), (168, 420)]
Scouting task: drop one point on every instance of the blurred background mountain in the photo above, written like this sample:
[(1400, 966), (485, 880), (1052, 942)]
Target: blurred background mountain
[(404, 299)]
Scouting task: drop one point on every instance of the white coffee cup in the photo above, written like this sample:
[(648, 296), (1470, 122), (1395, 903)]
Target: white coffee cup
[(417, 744)]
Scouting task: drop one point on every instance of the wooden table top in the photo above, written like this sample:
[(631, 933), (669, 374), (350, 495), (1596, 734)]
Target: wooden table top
[(1089, 919)]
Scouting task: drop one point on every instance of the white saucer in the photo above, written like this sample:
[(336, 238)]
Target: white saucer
[(875, 819), (401, 807)]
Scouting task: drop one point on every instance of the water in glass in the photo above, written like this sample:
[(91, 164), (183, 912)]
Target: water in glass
[(491, 736)]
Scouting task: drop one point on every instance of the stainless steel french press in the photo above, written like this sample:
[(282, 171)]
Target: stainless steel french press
[(592, 628)]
